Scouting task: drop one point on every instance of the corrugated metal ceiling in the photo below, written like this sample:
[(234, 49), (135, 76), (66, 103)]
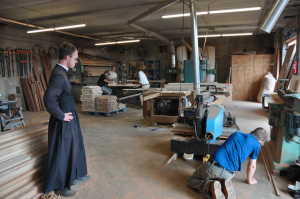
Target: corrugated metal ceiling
[(109, 18)]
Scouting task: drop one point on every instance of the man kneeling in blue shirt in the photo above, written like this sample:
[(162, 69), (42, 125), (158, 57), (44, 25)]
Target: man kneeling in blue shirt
[(224, 162)]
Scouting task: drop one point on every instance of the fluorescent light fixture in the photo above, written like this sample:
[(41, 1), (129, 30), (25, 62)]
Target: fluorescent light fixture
[(184, 15), (209, 35), (41, 30), (214, 12), (58, 28), (117, 42), (226, 35), (236, 34), (234, 10), (129, 41), (67, 27)]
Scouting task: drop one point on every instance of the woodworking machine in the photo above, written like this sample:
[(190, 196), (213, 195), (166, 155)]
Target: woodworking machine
[(210, 122), (284, 121)]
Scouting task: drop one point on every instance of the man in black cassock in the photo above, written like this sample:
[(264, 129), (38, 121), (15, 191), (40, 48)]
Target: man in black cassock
[(66, 155)]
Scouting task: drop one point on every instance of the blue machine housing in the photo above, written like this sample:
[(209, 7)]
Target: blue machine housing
[(214, 122)]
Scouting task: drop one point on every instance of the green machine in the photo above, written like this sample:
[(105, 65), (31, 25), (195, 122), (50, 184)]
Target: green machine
[(284, 120), (189, 70)]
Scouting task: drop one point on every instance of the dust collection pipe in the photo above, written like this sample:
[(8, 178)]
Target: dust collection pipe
[(194, 37), (273, 15), (154, 34)]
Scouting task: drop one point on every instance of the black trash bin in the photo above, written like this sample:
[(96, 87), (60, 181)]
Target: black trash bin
[(293, 173)]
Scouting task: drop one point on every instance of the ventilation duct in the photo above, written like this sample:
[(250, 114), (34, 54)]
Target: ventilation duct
[(273, 15), (154, 34)]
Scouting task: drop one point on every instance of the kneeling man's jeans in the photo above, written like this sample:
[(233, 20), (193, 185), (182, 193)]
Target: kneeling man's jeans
[(105, 90), (205, 174)]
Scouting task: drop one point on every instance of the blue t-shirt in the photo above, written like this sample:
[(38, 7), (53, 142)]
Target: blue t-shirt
[(236, 150)]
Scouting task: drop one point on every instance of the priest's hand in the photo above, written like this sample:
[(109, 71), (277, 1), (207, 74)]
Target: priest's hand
[(68, 117)]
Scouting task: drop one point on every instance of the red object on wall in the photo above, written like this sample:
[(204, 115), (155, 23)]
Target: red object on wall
[(294, 67)]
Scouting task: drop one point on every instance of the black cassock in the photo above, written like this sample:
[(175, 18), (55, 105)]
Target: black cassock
[(66, 154)]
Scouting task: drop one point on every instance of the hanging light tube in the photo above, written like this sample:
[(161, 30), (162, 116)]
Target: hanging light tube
[(214, 12), (117, 42), (58, 28), (226, 35)]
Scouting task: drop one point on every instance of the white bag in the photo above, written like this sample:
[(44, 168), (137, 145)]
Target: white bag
[(267, 85)]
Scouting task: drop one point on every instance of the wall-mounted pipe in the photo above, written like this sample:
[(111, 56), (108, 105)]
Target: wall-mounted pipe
[(194, 37), (41, 27), (273, 15)]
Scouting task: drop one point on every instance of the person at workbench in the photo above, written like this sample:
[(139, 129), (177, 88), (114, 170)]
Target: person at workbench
[(225, 161), (142, 81), (102, 82), (112, 76), (66, 154)]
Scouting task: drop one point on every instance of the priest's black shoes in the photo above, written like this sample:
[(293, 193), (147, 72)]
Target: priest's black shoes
[(82, 179), (65, 192)]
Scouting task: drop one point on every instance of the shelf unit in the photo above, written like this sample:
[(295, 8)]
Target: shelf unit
[(152, 68)]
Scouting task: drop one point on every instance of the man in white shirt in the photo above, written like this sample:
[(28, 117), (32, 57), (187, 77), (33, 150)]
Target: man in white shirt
[(112, 77), (142, 81)]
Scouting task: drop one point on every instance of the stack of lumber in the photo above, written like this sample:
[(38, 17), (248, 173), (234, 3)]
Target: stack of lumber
[(106, 103), (90, 71), (89, 94), (46, 63), (34, 93), (23, 157), (120, 106)]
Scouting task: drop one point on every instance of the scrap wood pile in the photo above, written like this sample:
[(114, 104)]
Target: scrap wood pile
[(34, 93), (89, 94), (106, 103), (23, 157)]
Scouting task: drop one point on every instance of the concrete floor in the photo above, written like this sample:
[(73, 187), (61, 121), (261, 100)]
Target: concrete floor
[(126, 162)]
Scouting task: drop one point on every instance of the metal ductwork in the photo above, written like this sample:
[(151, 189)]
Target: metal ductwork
[(154, 34), (195, 51), (273, 15), (41, 27)]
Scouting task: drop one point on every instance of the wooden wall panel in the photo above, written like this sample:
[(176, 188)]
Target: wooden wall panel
[(247, 74)]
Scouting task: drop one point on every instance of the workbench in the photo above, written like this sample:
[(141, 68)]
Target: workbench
[(161, 82), (118, 91)]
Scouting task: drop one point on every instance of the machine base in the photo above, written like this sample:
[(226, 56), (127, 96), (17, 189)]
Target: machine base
[(194, 146)]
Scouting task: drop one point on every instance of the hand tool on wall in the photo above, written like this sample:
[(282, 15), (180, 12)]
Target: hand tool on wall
[(12, 62), (30, 64), (3, 62), (17, 62)]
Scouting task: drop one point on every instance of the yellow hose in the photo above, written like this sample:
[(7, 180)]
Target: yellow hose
[(37, 117)]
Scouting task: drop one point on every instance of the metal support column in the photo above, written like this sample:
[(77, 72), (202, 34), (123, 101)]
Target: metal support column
[(194, 37)]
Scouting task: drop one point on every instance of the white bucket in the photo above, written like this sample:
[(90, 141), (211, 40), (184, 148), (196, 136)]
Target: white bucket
[(210, 77)]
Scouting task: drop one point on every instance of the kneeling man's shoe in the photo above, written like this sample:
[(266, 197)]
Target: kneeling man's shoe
[(227, 188), (65, 192), (216, 190), (82, 179)]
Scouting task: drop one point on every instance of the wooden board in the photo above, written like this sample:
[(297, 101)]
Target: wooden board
[(286, 66), (13, 162), (247, 74), (90, 71), (164, 119), (102, 62)]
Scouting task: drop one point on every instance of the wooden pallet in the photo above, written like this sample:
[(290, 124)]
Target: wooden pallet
[(106, 114)]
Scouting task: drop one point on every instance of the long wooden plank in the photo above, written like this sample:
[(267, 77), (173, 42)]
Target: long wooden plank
[(43, 82), (164, 119), (32, 193), (34, 162), (13, 162), (27, 94), (22, 139), (35, 97), (21, 187), (29, 174), (8, 134), (41, 138), (151, 96), (286, 66)]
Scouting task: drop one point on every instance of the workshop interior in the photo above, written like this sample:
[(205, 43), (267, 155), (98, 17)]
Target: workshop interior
[(213, 67)]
